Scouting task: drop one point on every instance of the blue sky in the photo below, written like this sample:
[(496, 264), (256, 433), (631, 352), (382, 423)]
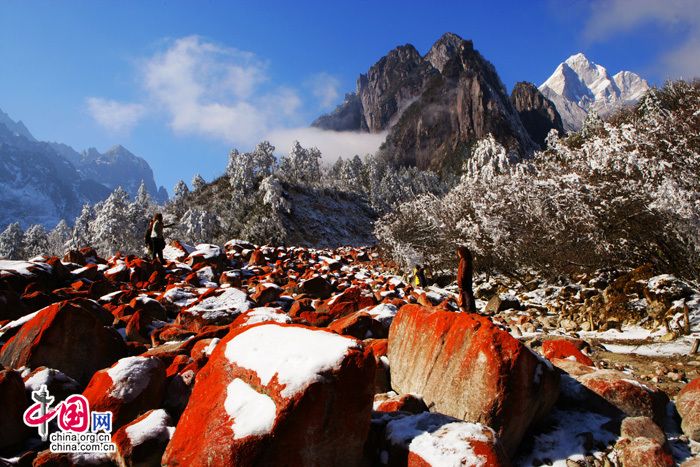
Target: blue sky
[(181, 83)]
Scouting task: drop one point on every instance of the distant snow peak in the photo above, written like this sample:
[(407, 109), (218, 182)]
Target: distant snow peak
[(579, 85)]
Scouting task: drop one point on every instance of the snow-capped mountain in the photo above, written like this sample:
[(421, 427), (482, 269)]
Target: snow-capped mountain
[(579, 85), (42, 183)]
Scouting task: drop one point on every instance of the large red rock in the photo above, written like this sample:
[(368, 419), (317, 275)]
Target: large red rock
[(433, 439), (688, 406), (13, 403), (67, 336), (131, 387), (564, 349), (143, 441), (466, 367), (278, 394), (11, 307), (631, 397)]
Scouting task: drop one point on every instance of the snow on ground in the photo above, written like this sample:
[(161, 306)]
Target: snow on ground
[(570, 431), (680, 346), (296, 355), (157, 425), (171, 253), (438, 439), (252, 413), (130, 376), (24, 268)]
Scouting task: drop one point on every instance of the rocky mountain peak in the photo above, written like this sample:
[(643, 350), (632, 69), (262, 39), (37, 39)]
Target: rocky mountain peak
[(433, 106), (537, 113), (579, 85), (446, 48)]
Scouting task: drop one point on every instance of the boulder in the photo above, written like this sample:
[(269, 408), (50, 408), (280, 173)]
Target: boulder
[(392, 402), (466, 367), (218, 309), (433, 439), (143, 441), (277, 394), (688, 406), (316, 287), (562, 348), (631, 397), (58, 384), (13, 403), (66, 336), (129, 388), (643, 452)]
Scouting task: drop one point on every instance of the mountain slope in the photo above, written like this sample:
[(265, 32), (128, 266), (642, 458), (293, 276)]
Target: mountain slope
[(45, 182), (579, 85), (433, 106)]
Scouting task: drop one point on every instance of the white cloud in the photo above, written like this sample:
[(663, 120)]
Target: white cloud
[(332, 144), (113, 115), (325, 88), (223, 93), (214, 91), (609, 18)]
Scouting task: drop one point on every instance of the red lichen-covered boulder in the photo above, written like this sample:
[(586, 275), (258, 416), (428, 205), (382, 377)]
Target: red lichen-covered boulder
[(564, 349), (266, 292), (359, 325), (631, 397), (316, 287), (688, 406), (257, 258), (392, 402), (149, 307), (13, 403), (277, 394), (643, 452), (66, 336), (129, 388), (466, 367), (433, 439), (143, 441)]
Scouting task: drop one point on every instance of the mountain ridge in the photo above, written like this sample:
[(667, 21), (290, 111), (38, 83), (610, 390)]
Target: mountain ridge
[(579, 85)]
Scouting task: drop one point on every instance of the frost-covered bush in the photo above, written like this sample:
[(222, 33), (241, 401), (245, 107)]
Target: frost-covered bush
[(623, 192), (36, 241)]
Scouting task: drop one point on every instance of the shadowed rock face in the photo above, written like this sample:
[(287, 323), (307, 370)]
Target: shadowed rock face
[(434, 106), (537, 113)]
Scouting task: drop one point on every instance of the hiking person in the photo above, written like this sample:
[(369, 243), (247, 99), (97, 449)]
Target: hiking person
[(464, 280), (155, 238), (419, 276)]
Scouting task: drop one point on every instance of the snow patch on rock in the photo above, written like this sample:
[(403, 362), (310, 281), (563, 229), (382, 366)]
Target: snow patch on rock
[(252, 413), (297, 356)]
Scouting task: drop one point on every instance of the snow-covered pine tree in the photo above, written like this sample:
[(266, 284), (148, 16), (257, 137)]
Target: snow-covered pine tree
[(198, 182), (180, 190), (12, 242), (36, 241), (82, 229), (113, 229), (58, 239)]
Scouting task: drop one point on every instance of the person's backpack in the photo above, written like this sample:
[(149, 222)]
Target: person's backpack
[(147, 237)]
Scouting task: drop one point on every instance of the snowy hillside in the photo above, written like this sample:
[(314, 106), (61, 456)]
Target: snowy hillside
[(42, 183), (579, 85)]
